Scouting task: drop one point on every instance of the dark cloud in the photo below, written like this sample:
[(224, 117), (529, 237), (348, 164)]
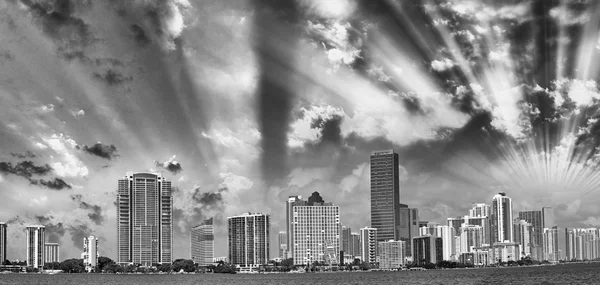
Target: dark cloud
[(112, 62), (24, 168), (170, 165), (79, 232), (101, 150), (53, 231), (276, 37), (55, 184), (5, 55), (139, 36), (112, 77), (27, 154), (95, 211)]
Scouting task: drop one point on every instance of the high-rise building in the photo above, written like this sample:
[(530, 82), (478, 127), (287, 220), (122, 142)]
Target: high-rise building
[(537, 229), (447, 235), (248, 239), (368, 240), (408, 226), (523, 236), (144, 219), (391, 254), (582, 244), (289, 221), (471, 236), (502, 218), (283, 249), (3, 242), (36, 237), (427, 249), (355, 245), (203, 243), (316, 228), (430, 229), (51, 252), (90, 253), (480, 210), (550, 244), (385, 194), (346, 240), (548, 217)]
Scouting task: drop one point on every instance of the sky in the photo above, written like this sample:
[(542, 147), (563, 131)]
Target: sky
[(243, 103)]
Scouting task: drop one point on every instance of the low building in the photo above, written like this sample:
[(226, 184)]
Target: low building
[(427, 249), (51, 252), (392, 254)]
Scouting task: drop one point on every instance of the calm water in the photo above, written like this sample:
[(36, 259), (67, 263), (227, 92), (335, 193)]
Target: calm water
[(565, 274)]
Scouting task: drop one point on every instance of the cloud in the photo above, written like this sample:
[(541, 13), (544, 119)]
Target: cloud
[(77, 113), (24, 169), (27, 154), (70, 165), (171, 165), (101, 150), (95, 214), (442, 65), (112, 77), (55, 184), (333, 9), (46, 108)]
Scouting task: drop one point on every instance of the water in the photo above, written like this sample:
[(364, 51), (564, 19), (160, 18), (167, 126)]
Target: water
[(562, 274)]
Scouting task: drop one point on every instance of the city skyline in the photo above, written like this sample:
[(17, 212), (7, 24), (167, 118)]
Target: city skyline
[(245, 103)]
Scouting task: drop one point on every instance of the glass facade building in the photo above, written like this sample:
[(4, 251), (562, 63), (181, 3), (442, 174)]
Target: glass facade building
[(203, 243), (502, 218), (248, 239), (385, 194), (3, 240)]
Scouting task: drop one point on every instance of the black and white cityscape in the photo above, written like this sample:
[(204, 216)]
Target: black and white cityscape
[(252, 136)]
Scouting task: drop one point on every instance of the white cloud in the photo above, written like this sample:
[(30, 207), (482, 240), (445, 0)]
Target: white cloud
[(41, 145), (360, 173), (301, 130), (303, 176), (567, 16), (46, 108), (68, 165), (77, 113), (441, 65), (336, 35), (336, 9)]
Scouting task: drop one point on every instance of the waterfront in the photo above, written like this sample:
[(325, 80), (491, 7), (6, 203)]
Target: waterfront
[(561, 274)]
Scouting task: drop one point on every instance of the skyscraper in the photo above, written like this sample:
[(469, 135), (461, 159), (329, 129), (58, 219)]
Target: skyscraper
[(427, 249), (2, 242), (502, 218), (203, 243), (523, 236), (355, 245), (316, 228), (480, 210), (248, 239), (550, 244), (408, 226), (385, 194), (35, 237), (144, 219), (537, 229), (368, 240), (51, 252), (283, 249), (289, 221), (90, 253), (346, 240), (448, 246)]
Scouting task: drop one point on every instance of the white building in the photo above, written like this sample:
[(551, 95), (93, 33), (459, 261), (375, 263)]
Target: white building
[(523, 232), (316, 229), (550, 245), (249, 239), (51, 252), (35, 239), (90, 253), (502, 218), (392, 254), (202, 242), (368, 240), (447, 235)]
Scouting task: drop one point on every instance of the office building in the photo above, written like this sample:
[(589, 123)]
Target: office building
[(536, 220), (368, 240), (144, 219), (482, 221), (355, 245), (523, 236), (248, 239), (447, 235), (408, 226), (203, 243), (385, 194), (346, 240), (427, 249), (3, 240), (391, 254), (35, 237), (289, 221), (550, 244), (51, 252), (502, 218), (429, 229), (316, 228), (90, 253), (283, 249)]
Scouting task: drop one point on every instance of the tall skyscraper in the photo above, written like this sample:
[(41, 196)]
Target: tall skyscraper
[(471, 236), (144, 219), (203, 243), (316, 228), (3, 239), (283, 249), (408, 226), (385, 194), (427, 249), (537, 229), (480, 210), (289, 221), (248, 239), (368, 240), (447, 235), (550, 244), (36, 237), (548, 217), (523, 236), (90, 253), (355, 245), (51, 252), (346, 240), (502, 218)]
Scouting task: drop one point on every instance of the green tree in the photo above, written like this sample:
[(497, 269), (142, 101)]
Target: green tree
[(103, 261), (72, 265), (187, 265)]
